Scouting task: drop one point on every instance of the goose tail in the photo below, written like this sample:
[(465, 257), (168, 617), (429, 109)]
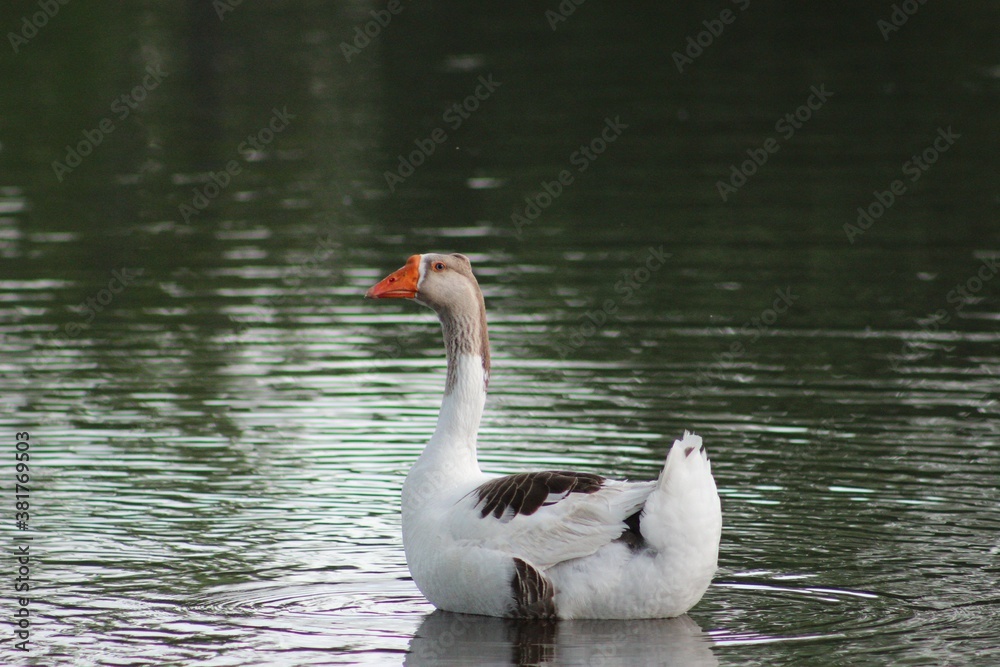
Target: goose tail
[(682, 518)]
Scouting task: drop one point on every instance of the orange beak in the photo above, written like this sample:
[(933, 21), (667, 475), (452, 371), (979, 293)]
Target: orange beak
[(401, 284)]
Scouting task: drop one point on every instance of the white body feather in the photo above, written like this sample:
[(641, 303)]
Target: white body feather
[(464, 562)]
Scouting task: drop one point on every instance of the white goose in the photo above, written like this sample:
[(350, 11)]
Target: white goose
[(550, 544)]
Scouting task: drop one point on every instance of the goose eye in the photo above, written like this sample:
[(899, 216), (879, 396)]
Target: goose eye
[(439, 266)]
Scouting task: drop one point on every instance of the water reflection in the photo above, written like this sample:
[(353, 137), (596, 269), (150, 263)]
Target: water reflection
[(444, 638)]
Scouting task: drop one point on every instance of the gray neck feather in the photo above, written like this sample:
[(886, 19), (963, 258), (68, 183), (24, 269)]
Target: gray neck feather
[(465, 332)]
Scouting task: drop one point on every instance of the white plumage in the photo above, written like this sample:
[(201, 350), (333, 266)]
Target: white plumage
[(548, 544)]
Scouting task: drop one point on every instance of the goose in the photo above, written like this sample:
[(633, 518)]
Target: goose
[(552, 544)]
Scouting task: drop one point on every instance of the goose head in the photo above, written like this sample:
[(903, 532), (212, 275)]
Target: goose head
[(444, 283)]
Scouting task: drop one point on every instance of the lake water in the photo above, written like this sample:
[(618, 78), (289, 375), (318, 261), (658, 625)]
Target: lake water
[(220, 424)]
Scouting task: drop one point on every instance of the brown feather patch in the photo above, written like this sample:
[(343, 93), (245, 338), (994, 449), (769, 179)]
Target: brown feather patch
[(534, 594), (526, 492)]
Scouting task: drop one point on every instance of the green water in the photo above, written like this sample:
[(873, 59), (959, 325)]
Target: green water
[(220, 425)]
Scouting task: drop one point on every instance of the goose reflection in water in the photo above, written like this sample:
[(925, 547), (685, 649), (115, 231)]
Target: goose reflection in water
[(446, 638)]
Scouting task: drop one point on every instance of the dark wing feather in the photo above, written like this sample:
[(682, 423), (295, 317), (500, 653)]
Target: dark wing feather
[(534, 595), (525, 493)]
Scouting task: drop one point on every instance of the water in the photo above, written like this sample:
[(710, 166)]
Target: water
[(219, 438)]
